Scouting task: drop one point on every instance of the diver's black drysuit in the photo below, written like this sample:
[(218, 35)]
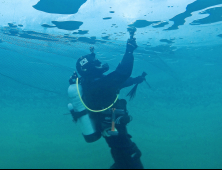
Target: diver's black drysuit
[(100, 93)]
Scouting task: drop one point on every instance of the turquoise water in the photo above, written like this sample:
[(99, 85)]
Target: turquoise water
[(176, 123)]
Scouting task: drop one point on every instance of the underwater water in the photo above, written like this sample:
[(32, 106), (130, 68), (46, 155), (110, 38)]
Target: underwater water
[(177, 123)]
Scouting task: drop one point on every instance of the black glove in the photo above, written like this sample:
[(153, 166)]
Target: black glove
[(140, 79), (131, 45), (92, 49), (72, 79)]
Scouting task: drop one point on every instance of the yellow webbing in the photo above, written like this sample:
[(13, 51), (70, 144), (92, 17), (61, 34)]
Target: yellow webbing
[(89, 108)]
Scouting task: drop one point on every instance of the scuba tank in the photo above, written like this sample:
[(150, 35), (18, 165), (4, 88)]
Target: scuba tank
[(86, 123)]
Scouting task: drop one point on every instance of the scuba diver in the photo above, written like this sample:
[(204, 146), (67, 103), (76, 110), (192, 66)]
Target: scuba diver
[(96, 107)]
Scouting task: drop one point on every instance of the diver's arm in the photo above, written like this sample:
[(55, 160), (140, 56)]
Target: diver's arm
[(126, 66), (77, 115), (122, 72), (131, 81)]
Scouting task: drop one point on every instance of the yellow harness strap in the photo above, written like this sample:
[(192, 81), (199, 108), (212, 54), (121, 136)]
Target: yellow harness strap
[(89, 108)]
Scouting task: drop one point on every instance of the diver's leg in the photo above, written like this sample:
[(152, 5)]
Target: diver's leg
[(124, 152), (127, 158)]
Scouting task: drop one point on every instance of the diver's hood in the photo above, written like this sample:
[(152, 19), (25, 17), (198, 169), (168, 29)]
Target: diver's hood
[(89, 66)]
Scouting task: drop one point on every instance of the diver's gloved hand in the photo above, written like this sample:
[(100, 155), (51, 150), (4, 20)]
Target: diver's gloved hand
[(131, 45), (140, 79), (92, 49)]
